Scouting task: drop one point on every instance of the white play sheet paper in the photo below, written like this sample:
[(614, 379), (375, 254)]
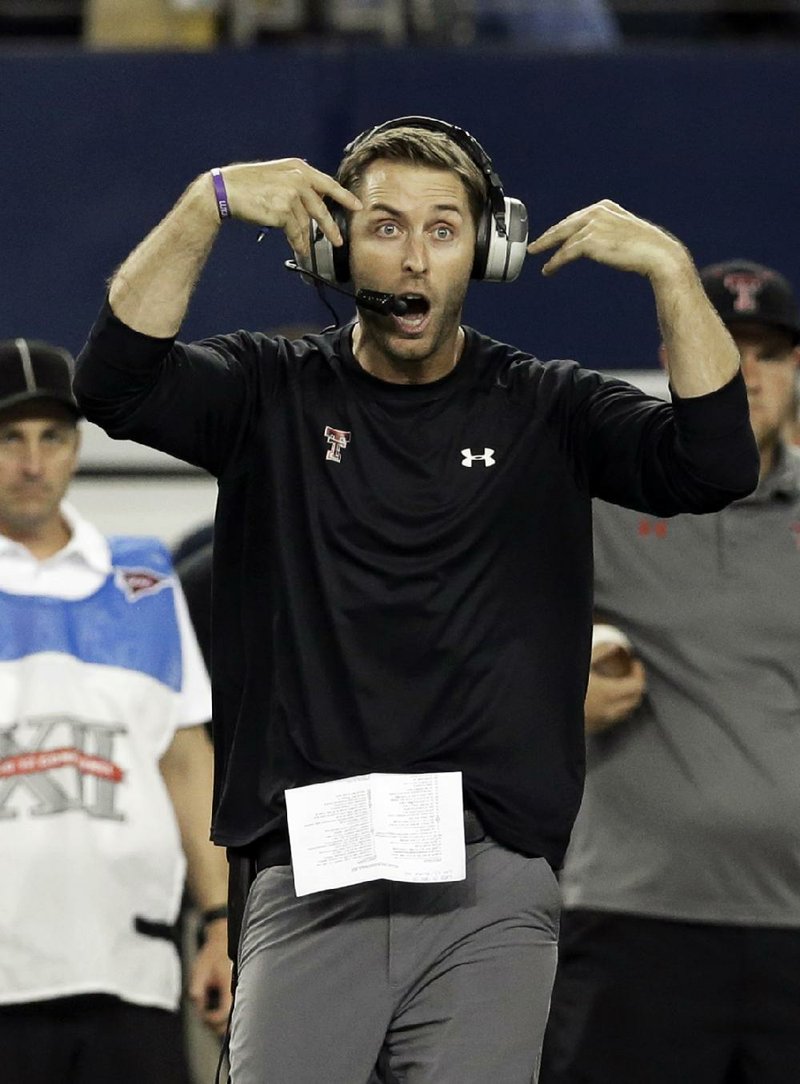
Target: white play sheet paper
[(397, 826)]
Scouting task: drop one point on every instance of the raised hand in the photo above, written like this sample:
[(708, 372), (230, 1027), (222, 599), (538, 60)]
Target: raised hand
[(286, 194), (609, 234), (150, 292)]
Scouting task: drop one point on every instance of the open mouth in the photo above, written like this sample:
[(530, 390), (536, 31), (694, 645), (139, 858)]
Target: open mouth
[(416, 315)]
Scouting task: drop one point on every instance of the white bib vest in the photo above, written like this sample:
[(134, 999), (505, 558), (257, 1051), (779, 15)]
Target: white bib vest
[(89, 702)]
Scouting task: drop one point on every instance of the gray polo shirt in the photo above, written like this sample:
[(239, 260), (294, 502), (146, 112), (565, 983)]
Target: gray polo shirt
[(692, 805)]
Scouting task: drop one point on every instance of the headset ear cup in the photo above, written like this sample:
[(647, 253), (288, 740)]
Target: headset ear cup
[(505, 255), (330, 262), (319, 260), (341, 253)]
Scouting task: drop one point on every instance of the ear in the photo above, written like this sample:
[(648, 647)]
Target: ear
[(663, 358)]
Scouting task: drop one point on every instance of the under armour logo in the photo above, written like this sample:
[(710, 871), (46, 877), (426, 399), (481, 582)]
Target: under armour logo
[(646, 528), (337, 439), (469, 457)]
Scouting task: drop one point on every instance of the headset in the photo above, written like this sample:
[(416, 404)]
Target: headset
[(502, 235)]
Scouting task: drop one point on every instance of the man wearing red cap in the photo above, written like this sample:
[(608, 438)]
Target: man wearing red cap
[(104, 769), (680, 941)]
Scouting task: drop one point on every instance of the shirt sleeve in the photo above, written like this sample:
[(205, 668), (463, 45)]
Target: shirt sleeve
[(194, 401), (690, 455)]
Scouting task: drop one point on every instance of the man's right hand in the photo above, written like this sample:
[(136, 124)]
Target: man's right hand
[(150, 292), (285, 194), (611, 697)]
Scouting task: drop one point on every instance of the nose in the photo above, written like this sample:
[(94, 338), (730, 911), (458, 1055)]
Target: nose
[(32, 458), (415, 258)]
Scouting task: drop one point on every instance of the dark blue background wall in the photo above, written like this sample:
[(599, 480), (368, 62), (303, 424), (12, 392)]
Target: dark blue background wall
[(96, 148)]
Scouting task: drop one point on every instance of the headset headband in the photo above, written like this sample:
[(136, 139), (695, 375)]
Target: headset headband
[(461, 137)]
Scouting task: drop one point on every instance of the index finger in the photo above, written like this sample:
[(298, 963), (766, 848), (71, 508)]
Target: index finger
[(558, 232), (327, 186)]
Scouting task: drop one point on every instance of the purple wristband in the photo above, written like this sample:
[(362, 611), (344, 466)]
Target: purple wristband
[(221, 194)]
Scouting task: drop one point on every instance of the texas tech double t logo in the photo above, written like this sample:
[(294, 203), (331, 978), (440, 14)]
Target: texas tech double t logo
[(338, 439)]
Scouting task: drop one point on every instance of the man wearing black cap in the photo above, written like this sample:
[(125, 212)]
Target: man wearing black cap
[(104, 769), (759, 307), (680, 941)]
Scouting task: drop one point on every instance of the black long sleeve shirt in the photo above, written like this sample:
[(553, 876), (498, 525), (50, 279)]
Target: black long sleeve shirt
[(403, 573)]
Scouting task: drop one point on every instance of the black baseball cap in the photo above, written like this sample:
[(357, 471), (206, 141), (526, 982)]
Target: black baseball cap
[(743, 290), (30, 369)]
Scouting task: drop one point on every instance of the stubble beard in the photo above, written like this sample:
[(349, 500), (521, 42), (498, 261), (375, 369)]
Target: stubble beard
[(408, 353)]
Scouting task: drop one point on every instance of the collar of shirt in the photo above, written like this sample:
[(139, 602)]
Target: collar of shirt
[(75, 571)]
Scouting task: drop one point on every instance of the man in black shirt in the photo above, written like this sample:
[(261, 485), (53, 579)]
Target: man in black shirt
[(403, 585)]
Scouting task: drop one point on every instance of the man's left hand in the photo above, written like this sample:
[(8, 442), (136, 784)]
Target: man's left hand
[(609, 234)]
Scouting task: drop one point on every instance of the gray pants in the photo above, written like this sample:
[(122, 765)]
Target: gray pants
[(446, 983)]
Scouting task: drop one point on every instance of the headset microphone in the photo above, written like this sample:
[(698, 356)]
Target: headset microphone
[(374, 300)]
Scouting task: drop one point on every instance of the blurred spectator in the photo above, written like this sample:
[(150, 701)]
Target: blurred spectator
[(556, 24), (679, 957), (105, 770), (567, 24)]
